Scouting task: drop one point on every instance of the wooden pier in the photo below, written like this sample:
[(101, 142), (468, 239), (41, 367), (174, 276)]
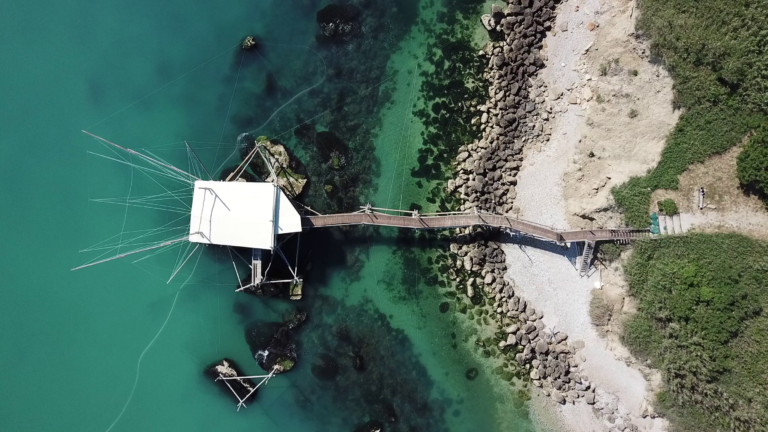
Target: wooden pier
[(414, 220)]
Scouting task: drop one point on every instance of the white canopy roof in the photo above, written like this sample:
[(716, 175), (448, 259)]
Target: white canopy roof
[(243, 214)]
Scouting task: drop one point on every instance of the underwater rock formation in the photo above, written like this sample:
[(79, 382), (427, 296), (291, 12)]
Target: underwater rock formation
[(243, 387), (280, 354), (339, 86), (369, 370), (339, 22), (471, 373), (332, 149)]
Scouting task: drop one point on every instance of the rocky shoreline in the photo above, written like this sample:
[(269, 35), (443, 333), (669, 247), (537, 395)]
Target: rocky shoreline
[(514, 116)]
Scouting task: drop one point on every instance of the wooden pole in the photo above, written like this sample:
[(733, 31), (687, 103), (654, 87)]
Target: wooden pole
[(245, 162), (133, 152), (170, 242), (198, 160)]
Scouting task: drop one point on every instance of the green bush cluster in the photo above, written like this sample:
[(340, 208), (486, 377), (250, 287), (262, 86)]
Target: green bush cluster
[(701, 321), (717, 51), (753, 164), (608, 252), (668, 207)]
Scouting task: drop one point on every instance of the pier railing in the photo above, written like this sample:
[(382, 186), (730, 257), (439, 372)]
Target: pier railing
[(413, 219)]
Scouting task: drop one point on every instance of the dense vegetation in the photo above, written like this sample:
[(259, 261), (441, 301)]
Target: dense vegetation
[(668, 207), (753, 164), (717, 51), (702, 321)]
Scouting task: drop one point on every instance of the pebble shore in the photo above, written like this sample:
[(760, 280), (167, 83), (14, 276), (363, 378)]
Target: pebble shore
[(515, 116)]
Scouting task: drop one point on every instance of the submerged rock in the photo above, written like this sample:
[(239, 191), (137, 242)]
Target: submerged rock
[(325, 368), (471, 373), (249, 43), (380, 378), (339, 22), (358, 363)]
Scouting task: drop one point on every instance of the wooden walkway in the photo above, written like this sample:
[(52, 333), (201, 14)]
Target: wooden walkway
[(466, 220)]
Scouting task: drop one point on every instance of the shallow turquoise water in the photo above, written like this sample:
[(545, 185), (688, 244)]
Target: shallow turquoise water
[(150, 75)]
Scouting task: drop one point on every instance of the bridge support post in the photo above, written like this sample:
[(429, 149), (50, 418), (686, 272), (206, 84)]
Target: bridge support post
[(586, 258)]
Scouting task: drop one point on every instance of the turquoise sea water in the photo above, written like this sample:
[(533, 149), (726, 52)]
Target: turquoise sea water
[(76, 346)]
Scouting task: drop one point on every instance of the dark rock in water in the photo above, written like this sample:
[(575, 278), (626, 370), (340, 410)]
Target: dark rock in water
[(342, 334), (389, 413), (371, 426), (444, 307), (358, 363), (249, 43), (325, 368), (280, 354), (471, 373), (332, 149), (227, 368), (339, 22)]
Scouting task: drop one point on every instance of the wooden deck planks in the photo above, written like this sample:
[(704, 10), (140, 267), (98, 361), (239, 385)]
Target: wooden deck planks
[(460, 221)]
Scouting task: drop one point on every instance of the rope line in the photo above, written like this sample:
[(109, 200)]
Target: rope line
[(141, 356)]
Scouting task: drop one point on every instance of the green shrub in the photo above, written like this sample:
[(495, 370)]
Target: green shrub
[(668, 207), (699, 134), (753, 164), (701, 321), (608, 252)]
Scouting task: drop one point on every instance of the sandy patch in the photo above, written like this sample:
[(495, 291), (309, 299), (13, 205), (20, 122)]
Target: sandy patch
[(627, 108)]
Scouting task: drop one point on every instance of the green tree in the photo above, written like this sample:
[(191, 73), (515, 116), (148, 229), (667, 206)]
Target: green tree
[(753, 163)]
